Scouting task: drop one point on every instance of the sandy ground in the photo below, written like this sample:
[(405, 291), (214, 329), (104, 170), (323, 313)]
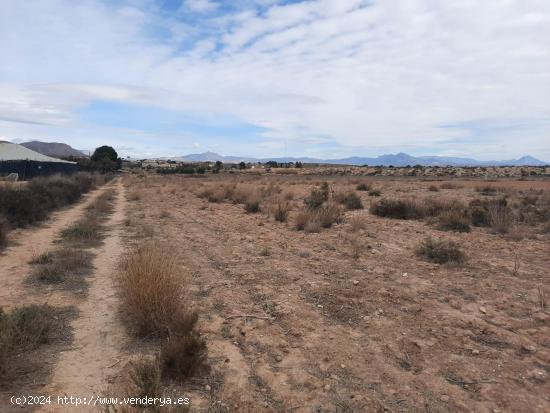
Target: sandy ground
[(385, 332), (24, 244), (86, 369), (87, 366)]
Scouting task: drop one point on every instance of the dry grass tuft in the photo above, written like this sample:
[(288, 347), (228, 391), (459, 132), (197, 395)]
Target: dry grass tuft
[(85, 232), (252, 206), (280, 210), (349, 199), (152, 292), (182, 356), (145, 377), (62, 266), (441, 251), (312, 220), (453, 220), (357, 223), (23, 329), (363, 186)]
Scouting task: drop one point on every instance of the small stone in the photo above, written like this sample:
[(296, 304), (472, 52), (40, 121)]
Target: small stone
[(327, 387), (207, 387), (529, 348), (483, 310), (278, 359), (355, 282), (444, 398), (475, 351), (405, 274), (343, 366)]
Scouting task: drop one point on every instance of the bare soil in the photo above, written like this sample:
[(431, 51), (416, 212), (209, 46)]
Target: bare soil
[(328, 332)]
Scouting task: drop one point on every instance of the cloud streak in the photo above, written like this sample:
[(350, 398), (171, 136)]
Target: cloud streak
[(372, 76)]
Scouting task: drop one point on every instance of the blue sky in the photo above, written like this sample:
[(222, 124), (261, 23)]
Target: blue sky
[(322, 78)]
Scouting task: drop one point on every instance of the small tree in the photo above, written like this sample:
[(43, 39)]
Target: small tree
[(105, 158), (217, 167), (242, 165)]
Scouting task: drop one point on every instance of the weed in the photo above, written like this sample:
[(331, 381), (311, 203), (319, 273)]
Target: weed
[(441, 251), (454, 220), (363, 186), (152, 292), (182, 356)]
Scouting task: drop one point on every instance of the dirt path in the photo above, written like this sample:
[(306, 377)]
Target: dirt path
[(26, 243), (98, 338)]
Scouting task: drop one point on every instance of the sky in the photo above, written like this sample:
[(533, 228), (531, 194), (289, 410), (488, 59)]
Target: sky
[(319, 78)]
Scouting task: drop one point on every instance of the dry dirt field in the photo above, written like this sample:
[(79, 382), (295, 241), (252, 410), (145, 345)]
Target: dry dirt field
[(313, 295), (350, 318)]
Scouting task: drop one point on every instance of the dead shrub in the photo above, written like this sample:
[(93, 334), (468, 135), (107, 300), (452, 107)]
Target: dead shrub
[(23, 329), (397, 208), (280, 210), (184, 355), (103, 204), (63, 265), (152, 294), (486, 190), (350, 200), (433, 188), (145, 377), (311, 220), (357, 223), (312, 227), (363, 186), (318, 196), (414, 208), (32, 203), (375, 192), (329, 214), (453, 220), (500, 217), (252, 206), (441, 251), (86, 231), (450, 185), (494, 213), (302, 218), (357, 247)]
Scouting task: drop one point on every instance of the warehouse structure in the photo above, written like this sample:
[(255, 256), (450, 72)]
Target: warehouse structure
[(27, 164)]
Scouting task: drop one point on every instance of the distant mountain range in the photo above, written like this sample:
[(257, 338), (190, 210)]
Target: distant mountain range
[(399, 159), (53, 149)]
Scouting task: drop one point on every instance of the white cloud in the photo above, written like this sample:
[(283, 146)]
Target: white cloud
[(379, 75), (201, 6)]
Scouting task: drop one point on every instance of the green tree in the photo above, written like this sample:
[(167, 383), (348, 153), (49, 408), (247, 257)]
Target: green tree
[(105, 158)]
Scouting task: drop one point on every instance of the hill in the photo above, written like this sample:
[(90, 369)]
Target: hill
[(54, 149)]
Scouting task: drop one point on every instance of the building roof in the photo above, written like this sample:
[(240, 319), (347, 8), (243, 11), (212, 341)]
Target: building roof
[(13, 152)]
